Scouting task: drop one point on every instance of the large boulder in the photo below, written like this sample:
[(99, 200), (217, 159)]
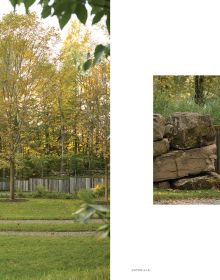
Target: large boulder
[(178, 164), (190, 130), (161, 147), (162, 185), (159, 127), (197, 183)]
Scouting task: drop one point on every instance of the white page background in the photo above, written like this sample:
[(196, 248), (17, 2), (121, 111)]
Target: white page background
[(151, 38)]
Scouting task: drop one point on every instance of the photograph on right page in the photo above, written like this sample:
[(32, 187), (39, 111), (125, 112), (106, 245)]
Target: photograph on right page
[(186, 139)]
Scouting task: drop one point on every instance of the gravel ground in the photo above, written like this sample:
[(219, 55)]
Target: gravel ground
[(190, 201)]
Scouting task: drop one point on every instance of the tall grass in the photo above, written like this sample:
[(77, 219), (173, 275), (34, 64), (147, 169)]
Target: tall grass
[(166, 107)]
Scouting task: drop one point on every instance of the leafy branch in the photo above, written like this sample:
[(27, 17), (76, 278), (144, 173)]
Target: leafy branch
[(88, 210), (64, 9)]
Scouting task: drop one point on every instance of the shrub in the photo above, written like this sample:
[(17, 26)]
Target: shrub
[(40, 191), (98, 191), (20, 194), (4, 194), (85, 195)]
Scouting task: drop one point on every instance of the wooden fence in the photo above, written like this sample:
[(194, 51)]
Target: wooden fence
[(70, 185)]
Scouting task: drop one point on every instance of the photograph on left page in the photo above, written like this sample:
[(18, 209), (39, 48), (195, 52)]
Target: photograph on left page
[(55, 139)]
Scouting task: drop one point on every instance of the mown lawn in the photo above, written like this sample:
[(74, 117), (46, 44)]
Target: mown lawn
[(53, 258), (49, 227), (36, 208), (160, 195)]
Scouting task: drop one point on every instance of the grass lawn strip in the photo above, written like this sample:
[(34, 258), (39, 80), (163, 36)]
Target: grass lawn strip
[(47, 233), (163, 195), (39, 209), (55, 222), (75, 227), (47, 258), (48, 209)]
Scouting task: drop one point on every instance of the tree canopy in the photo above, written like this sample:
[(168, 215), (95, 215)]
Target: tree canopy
[(63, 11), (54, 117)]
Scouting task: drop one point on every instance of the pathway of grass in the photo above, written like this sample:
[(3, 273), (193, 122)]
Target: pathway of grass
[(55, 222), (48, 233), (46, 258), (76, 227), (33, 246)]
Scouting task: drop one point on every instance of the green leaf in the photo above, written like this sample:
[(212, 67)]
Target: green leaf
[(81, 13), (63, 19), (84, 213), (87, 64), (27, 4), (97, 17), (46, 11), (107, 51), (99, 2), (99, 52), (99, 208), (105, 234), (108, 22), (95, 10), (15, 2), (104, 227)]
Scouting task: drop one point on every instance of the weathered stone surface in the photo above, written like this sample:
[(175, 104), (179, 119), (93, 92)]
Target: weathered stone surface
[(162, 185), (168, 131), (190, 130), (161, 147), (197, 183), (159, 127), (178, 164)]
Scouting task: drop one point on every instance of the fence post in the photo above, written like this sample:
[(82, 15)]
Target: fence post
[(88, 183)]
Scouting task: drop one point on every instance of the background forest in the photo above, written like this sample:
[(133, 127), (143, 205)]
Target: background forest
[(54, 116), (187, 94)]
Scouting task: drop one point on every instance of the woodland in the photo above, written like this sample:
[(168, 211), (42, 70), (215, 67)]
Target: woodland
[(54, 115), (188, 93)]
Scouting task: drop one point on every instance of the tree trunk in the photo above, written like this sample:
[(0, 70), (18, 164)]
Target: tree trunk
[(199, 95), (62, 139), (12, 179), (62, 132), (106, 181), (75, 144)]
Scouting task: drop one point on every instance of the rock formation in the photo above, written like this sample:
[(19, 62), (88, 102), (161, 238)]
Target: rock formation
[(184, 147)]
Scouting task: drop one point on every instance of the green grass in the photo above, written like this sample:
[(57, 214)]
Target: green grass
[(49, 227), (168, 106), (53, 258), (185, 194), (100, 199), (39, 209)]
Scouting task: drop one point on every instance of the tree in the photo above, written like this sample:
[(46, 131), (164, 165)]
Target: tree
[(98, 107), (63, 11), (22, 56), (199, 94), (87, 121), (54, 116)]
